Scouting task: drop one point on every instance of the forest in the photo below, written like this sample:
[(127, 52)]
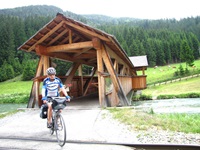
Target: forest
[(164, 41)]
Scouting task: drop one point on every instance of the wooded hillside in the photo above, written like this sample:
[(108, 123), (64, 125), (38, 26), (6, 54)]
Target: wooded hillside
[(163, 41)]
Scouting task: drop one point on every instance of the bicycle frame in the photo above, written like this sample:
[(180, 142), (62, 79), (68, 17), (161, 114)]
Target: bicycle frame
[(59, 128)]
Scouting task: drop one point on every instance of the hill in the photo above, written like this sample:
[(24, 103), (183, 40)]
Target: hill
[(161, 40)]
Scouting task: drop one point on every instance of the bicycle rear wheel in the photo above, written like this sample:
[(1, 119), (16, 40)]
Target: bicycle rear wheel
[(60, 130), (52, 128)]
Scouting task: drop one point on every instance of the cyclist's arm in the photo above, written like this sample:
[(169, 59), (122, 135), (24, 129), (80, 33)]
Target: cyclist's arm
[(64, 91), (44, 93)]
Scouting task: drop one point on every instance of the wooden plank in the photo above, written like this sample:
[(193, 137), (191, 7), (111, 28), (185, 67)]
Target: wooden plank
[(46, 35), (66, 47)]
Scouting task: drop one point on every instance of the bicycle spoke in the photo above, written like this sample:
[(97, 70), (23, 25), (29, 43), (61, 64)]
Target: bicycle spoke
[(60, 130)]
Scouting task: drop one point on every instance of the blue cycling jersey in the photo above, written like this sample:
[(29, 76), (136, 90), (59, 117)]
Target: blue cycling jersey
[(50, 88)]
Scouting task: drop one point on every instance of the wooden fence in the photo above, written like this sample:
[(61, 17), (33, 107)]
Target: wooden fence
[(175, 80)]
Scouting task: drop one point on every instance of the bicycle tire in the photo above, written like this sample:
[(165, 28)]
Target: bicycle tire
[(60, 130), (52, 128)]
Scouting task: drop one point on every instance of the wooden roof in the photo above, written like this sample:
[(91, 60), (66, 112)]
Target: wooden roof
[(70, 40)]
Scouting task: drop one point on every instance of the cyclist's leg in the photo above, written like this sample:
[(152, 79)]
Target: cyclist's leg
[(49, 116)]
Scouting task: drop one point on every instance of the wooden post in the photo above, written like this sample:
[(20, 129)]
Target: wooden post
[(80, 73), (45, 64), (101, 83)]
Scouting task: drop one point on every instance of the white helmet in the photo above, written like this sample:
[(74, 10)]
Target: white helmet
[(51, 71)]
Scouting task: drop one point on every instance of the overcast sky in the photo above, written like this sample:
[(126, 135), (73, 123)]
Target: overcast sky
[(143, 9)]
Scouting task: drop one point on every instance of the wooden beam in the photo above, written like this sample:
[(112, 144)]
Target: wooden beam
[(46, 63), (71, 72), (39, 67), (116, 66), (80, 73), (101, 81), (87, 84), (66, 47), (114, 78), (57, 37), (70, 36), (46, 35), (81, 52), (87, 32)]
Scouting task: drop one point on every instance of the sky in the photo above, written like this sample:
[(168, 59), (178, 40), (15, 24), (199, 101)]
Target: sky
[(142, 9)]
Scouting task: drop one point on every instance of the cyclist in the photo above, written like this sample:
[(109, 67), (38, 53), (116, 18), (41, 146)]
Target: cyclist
[(50, 88)]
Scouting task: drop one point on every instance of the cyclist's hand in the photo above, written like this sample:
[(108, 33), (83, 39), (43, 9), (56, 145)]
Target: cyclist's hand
[(68, 98), (44, 99)]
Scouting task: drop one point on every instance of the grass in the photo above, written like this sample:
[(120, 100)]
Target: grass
[(15, 87), (187, 123), (15, 91), (186, 86), (163, 73)]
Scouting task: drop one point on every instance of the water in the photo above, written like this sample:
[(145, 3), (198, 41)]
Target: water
[(184, 105), (10, 107)]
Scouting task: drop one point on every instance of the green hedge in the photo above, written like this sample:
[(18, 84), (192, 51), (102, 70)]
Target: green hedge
[(187, 95), (149, 97)]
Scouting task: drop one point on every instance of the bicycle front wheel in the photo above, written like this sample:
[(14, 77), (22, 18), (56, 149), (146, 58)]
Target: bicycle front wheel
[(60, 129)]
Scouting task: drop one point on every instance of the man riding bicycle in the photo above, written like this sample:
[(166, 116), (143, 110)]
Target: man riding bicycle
[(50, 88)]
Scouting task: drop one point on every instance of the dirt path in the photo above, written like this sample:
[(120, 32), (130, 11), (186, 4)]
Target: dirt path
[(26, 130)]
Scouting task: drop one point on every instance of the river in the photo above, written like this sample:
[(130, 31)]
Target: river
[(183, 105)]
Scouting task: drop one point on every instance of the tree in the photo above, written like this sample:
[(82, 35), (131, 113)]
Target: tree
[(186, 54), (29, 70)]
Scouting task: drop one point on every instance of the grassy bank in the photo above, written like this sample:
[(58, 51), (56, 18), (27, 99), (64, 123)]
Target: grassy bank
[(15, 92), (187, 123), (179, 89), (164, 73)]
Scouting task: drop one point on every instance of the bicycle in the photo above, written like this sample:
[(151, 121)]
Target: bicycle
[(58, 123)]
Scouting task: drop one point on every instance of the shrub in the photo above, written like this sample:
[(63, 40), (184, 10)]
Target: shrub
[(166, 97), (142, 97)]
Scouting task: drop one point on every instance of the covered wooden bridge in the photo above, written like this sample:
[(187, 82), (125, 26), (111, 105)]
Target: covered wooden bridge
[(113, 75)]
